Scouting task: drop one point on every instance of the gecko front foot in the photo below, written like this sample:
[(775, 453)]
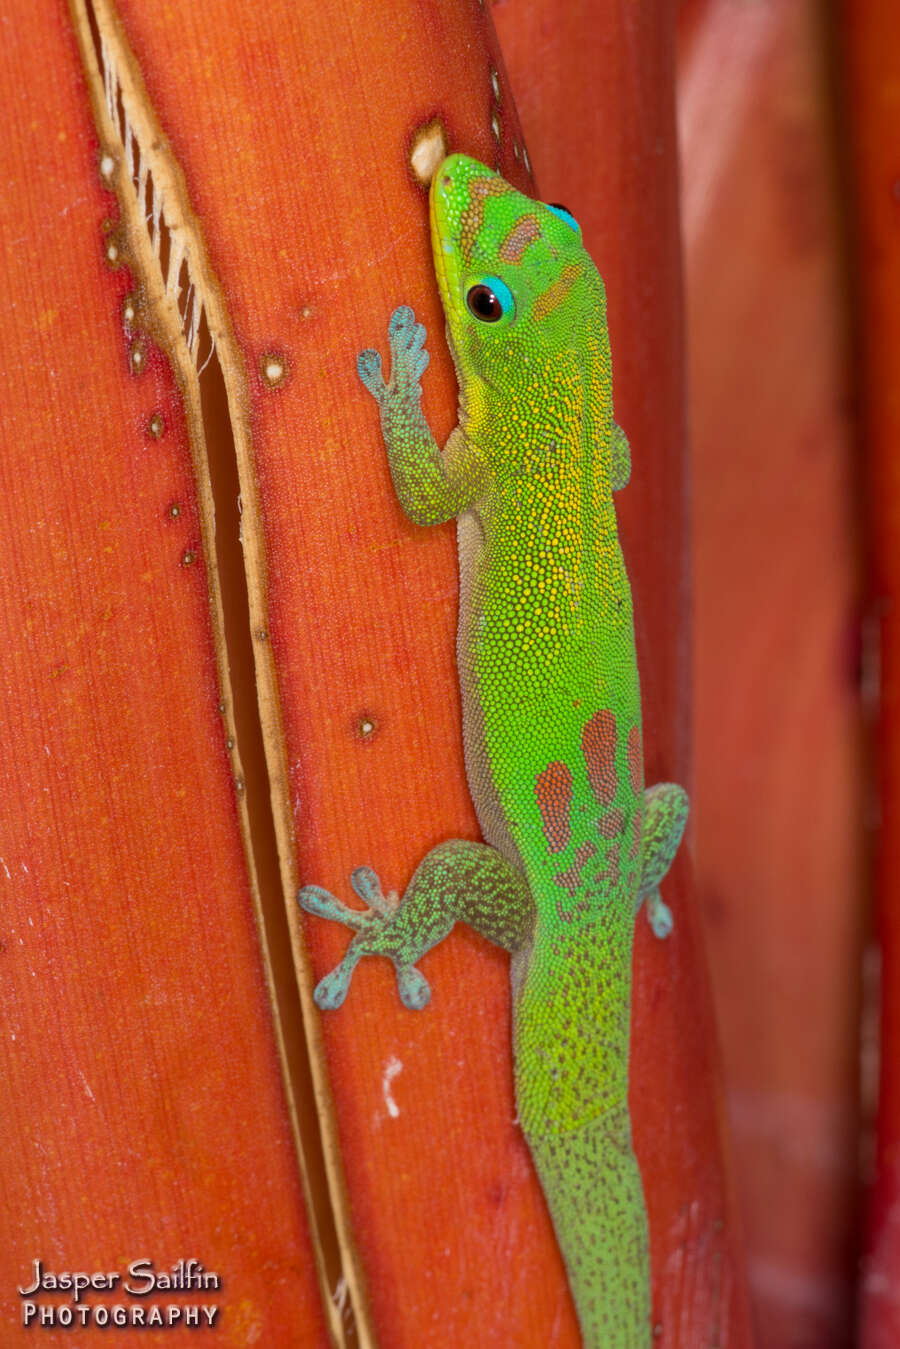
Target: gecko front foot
[(375, 936), (409, 360)]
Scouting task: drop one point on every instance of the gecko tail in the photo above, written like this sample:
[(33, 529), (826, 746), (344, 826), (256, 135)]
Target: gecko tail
[(593, 1187)]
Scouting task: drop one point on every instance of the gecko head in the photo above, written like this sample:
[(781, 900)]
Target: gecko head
[(515, 280)]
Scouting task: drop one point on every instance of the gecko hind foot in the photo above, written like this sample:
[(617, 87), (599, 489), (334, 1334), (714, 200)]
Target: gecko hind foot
[(659, 915), (665, 815), (373, 936)]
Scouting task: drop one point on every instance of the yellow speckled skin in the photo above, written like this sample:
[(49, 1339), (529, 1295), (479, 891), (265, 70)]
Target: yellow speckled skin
[(551, 703)]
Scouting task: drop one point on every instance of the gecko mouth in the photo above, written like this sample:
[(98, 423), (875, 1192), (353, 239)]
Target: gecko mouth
[(446, 263)]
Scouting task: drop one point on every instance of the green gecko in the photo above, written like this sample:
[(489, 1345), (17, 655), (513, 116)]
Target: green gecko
[(551, 709)]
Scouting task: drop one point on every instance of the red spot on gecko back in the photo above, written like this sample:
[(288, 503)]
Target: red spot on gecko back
[(598, 744), (635, 759), (612, 823), (553, 790)]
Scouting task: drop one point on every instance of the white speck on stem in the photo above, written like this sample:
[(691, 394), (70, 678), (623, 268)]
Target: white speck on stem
[(394, 1066)]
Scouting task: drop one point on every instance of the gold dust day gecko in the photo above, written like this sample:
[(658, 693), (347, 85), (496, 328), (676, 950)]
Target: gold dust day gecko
[(551, 709)]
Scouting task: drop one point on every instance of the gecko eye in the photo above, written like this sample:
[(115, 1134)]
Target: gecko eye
[(490, 300), (564, 214)]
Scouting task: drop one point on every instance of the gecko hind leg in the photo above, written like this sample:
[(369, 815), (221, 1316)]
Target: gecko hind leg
[(456, 880), (665, 815)]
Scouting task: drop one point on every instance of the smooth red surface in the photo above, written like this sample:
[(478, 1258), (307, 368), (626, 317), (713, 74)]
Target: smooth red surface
[(779, 772), (142, 1114), (871, 51)]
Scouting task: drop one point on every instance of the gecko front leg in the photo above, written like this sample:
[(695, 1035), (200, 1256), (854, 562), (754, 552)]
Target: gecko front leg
[(431, 486)]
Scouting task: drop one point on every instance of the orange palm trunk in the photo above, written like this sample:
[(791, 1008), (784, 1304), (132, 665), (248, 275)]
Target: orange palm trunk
[(208, 702), (778, 736)]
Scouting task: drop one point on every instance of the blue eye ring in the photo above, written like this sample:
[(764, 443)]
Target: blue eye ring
[(564, 214), (490, 300)]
